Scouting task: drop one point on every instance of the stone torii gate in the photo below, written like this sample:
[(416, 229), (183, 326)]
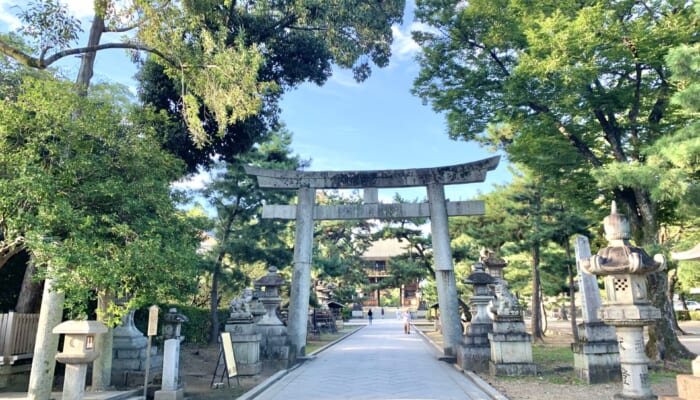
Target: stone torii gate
[(437, 209)]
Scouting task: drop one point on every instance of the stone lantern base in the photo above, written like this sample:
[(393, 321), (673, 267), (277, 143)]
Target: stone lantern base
[(596, 357), (474, 352)]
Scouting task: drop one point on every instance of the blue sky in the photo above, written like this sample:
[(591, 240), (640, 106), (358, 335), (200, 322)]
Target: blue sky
[(343, 125)]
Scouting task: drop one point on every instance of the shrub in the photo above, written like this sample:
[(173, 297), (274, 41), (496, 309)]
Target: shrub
[(196, 330)]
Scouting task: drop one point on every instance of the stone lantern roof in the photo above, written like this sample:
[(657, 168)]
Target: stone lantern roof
[(620, 257), (272, 279), (479, 277)]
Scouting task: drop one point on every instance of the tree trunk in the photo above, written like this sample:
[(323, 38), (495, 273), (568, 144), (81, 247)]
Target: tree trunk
[(672, 280), (663, 342), (29, 300), (87, 63), (536, 321), (214, 305)]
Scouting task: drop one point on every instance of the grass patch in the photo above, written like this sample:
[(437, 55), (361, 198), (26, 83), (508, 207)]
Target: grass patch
[(555, 362), (326, 338)]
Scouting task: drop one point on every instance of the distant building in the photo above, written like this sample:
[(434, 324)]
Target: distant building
[(378, 257)]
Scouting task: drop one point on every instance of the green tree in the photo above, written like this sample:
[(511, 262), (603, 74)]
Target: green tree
[(90, 199), (219, 72), (525, 220), (577, 86), (338, 249), (300, 43), (242, 236)]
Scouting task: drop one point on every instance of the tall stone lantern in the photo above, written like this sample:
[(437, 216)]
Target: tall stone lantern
[(475, 350), (274, 347), (627, 305)]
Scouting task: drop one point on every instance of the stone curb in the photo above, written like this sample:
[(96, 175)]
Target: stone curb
[(476, 379), (262, 386)]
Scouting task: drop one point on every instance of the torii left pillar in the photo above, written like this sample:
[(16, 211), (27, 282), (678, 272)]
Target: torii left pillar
[(301, 276), (437, 209)]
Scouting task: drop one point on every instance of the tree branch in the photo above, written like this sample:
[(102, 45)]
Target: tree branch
[(82, 50), (43, 63)]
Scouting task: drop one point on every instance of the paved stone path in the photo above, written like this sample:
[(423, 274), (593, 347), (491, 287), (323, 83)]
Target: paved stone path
[(379, 361)]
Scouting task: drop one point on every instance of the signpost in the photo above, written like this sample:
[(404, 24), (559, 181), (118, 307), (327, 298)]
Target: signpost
[(152, 331)]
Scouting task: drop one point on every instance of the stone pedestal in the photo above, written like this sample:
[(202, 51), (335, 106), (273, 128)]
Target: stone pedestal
[(511, 348), (634, 364), (597, 360), (129, 351), (246, 347), (475, 352), (170, 389)]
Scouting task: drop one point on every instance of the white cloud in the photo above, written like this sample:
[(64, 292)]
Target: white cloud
[(194, 182), (343, 77), (403, 46), (10, 8)]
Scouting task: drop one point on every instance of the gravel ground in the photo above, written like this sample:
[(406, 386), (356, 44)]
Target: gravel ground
[(519, 389)]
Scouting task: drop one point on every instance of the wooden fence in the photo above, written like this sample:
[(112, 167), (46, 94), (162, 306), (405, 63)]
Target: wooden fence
[(17, 336)]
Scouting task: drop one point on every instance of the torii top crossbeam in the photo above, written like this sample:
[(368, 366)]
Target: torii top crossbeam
[(448, 175)]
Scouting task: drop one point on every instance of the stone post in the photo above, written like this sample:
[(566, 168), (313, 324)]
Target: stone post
[(475, 351), (171, 388), (444, 271), (301, 276), (78, 352), (596, 355), (43, 360), (627, 306)]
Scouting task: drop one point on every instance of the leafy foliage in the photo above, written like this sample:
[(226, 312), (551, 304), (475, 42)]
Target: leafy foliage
[(88, 191), (299, 42), (576, 92)]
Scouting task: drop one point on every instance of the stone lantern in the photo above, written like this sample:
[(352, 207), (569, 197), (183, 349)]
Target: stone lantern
[(172, 324), (274, 347), (78, 351), (627, 305), (494, 265), (475, 350)]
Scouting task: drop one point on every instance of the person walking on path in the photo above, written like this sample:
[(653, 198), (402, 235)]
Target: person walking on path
[(382, 312), (407, 322), (369, 316)]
